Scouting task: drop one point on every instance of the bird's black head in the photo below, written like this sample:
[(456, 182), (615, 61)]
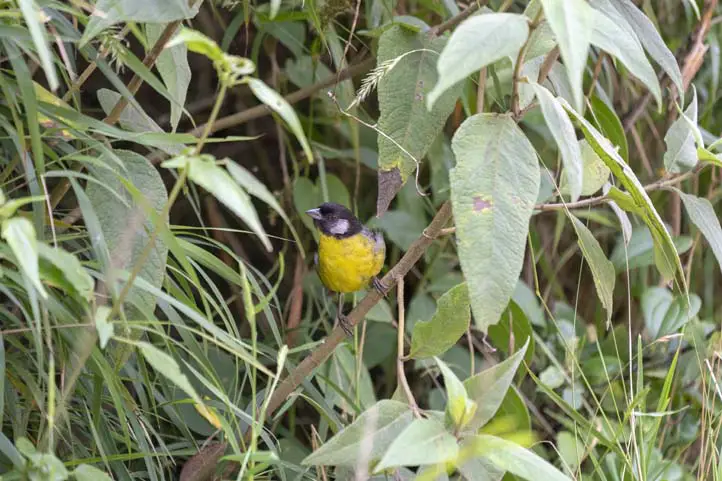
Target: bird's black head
[(335, 220)]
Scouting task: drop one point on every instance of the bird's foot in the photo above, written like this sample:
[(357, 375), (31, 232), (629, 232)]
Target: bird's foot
[(380, 287), (345, 324)]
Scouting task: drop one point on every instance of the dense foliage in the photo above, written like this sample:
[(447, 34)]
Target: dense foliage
[(546, 176)]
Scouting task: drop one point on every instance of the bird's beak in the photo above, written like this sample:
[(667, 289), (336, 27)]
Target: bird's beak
[(314, 213)]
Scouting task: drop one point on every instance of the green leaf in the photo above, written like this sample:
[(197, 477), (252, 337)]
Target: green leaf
[(611, 126), (652, 41), (86, 472), (595, 171), (459, 408), (204, 171), (196, 42), (513, 329), (135, 120), (611, 37), (572, 22), (401, 227), (19, 233), (423, 442), (278, 104), (104, 328), (665, 314), (477, 42), (450, 322), (557, 120), (34, 21), (702, 214), (70, 267), (640, 249), (666, 256), (602, 269), (126, 226), (552, 377), (513, 458), (571, 450), (493, 190), (172, 64), (681, 154), (489, 387), (371, 434), (168, 367), (406, 127)]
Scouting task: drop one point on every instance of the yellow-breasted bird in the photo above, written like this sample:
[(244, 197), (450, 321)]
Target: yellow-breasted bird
[(349, 254)]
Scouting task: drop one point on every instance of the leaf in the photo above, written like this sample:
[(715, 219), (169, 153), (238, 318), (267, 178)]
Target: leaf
[(172, 64), (102, 326), (34, 20), (19, 233), (168, 367), (443, 330), (370, 435), (513, 458), (125, 224), (196, 42), (493, 190), (86, 472), (702, 214), (602, 269), (489, 387), (611, 37), (666, 256), (406, 127), (459, 408), (611, 126), (652, 41), (681, 154), (622, 216), (70, 267), (204, 171), (571, 450), (110, 12), (640, 249), (595, 171), (401, 227), (278, 104), (477, 42), (513, 329), (431, 442), (557, 120), (135, 120), (552, 377), (572, 24), (665, 314)]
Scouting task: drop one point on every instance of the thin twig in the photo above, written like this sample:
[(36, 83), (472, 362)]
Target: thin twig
[(400, 373), (454, 21)]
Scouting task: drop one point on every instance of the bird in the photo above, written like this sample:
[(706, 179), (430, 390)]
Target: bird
[(350, 255)]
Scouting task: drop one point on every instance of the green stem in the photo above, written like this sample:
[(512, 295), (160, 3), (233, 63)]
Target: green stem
[(213, 116)]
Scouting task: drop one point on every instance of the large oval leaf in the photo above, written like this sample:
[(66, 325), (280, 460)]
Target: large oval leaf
[(450, 322), (423, 442), (406, 128), (493, 189)]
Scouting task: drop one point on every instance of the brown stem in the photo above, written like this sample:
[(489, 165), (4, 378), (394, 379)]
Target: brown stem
[(400, 373), (318, 356), (454, 21), (481, 91), (519, 64), (548, 64)]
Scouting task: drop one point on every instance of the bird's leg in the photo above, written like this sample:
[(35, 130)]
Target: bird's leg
[(343, 321), (379, 286)]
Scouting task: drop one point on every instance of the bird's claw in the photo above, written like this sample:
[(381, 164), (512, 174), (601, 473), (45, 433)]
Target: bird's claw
[(379, 286), (345, 324)]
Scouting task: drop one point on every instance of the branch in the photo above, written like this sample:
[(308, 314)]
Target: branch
[(318, 356), (456, 20)]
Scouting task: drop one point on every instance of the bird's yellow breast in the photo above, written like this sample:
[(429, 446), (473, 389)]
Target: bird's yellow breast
[(349, 264)]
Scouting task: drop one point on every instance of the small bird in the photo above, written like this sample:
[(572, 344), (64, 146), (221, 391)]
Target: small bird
[(349, 254)]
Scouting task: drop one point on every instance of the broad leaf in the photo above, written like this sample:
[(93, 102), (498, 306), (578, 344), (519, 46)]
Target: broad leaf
[(611, 37), (86, 472), (665, 314), (602, 269), (552, 377), (126, 226), (172, 64), (666, 256), (477, 42), (596, 172), (70, 267), (493, 190), (513, 458), (406, 127), (102, 326), (370, 435), (423, 442), (557, 120), (204, 171), (459, 408), (19, 233), (652, 41), (572, 21), (702, 214), (489, 387), (443, 330), (278, 104), (681, 154), (168, 367), (639, 251)]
